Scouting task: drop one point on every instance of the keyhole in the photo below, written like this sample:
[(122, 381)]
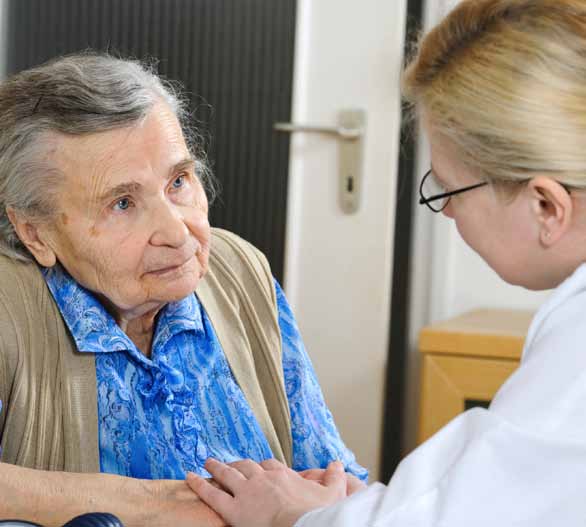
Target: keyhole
[(349, 184)]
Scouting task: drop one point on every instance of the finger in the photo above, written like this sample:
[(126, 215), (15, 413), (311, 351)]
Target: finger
[(313, 474), (228, 477), (214, 483), (215, 498), (247, 467), (272, 464), (353, 484), (335, 477)]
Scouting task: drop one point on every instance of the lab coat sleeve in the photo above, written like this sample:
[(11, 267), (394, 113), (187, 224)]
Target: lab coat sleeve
[(479, 470), (521, 463), (413, 485)]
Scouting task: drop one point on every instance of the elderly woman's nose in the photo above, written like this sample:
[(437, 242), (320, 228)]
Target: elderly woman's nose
[(170, 228)]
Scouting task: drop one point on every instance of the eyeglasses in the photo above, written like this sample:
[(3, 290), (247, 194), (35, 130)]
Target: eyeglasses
[(430, 191)]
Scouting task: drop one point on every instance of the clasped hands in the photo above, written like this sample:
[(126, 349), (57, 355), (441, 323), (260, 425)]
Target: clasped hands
[(269, 494)]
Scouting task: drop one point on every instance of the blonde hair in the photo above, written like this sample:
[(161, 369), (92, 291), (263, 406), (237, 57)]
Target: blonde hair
[(505, 82)]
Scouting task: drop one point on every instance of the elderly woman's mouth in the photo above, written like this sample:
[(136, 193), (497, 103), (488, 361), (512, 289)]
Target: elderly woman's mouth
[(169, 270)]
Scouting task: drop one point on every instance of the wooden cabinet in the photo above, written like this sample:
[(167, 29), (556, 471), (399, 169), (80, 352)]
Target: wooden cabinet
[(465, 360)]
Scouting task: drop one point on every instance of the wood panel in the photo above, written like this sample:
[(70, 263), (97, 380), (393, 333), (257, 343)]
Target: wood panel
[(482, 333), (448, 381)]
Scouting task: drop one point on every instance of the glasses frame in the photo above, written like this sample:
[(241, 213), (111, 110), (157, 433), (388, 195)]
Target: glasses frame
[(428, 200)]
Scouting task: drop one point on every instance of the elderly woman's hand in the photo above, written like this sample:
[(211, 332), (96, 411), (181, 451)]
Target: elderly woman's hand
[(267, 494), (54, 497), (174, 504)]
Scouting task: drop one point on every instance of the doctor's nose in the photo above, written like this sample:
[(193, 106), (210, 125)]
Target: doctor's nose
[(447, 211)]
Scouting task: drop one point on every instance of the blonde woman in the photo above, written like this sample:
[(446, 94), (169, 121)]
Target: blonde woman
[(500, 87)]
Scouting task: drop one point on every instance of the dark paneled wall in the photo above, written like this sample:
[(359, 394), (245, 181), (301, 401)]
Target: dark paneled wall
[(234, 57)]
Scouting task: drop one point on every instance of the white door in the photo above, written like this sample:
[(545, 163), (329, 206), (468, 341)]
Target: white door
[(338, 266)]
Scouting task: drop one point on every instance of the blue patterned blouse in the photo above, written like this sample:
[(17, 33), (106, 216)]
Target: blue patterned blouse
[(162, 416)]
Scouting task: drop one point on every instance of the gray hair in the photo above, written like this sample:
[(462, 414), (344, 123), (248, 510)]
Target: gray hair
[(76, 95)]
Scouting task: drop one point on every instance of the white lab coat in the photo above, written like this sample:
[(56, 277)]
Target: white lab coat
[(520, 463)]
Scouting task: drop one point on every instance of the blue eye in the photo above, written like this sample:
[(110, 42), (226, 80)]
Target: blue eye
[(122, 204), (179, 181)]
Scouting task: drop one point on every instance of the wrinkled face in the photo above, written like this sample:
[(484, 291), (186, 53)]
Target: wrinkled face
[(133, 222), (501, 230)]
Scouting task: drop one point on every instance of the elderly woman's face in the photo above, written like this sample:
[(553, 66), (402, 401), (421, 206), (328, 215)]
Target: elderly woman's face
[(133, 223)]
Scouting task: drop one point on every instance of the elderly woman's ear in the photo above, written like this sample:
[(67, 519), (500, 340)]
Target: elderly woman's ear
[(34, 236)]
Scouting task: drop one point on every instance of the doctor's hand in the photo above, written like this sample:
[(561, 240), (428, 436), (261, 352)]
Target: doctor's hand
[(267, 494), (353, 484)]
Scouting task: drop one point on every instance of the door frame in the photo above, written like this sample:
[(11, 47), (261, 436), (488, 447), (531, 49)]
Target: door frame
[(399, 325)]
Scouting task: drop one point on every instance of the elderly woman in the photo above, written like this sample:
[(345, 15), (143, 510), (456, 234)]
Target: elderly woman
[(108, 360), (500, 86)]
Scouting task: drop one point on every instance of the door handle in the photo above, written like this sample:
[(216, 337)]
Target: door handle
[(350, 131), (338, 131)]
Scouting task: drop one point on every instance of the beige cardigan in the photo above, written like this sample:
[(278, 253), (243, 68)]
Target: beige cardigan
[(48, 388)]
